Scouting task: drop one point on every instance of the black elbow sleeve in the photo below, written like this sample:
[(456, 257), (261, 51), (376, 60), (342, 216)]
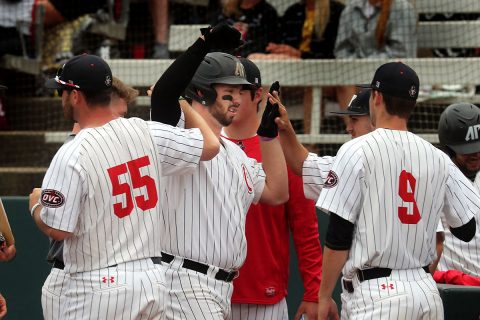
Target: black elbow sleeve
[(465, 232), (339, 233), (164, 103)]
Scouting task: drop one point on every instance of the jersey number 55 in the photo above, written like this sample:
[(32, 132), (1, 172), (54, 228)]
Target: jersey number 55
[(138, 181)]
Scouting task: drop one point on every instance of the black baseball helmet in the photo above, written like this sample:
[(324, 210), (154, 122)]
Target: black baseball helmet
[(216, 67), (459, 128)]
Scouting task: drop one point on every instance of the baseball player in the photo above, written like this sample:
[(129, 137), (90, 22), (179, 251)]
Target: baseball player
[(100, 194), (203, 232), (55, 285), (314, 169), (458, 134), (385, 192), (260, 290)]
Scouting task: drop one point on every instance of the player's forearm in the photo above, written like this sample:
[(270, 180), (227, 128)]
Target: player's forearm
[(333, 262), (273, 161), (295, 153), (173, 82), (47, 230), (211, 143)]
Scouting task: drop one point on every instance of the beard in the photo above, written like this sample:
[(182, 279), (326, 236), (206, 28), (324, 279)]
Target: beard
[(221, 117), (68, 111)]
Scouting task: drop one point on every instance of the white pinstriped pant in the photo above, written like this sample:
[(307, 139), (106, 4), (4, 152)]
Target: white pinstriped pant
[(52, 292), (193, 295), (131, 290), (405, 294), (243, 311)]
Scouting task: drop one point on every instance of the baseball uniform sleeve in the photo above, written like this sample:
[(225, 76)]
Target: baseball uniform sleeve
[(178, 149), (302, 218), (342, 191), (314, 172), (462, 201), (63, 190)]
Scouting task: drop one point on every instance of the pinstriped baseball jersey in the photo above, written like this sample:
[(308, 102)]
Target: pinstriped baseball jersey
[(393, 185), (103, 187), (314, 173), (459, 255), (204, 213)]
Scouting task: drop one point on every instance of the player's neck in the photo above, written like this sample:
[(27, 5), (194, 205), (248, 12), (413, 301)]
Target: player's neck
[(391, 122), (96, 117), (243, 130)]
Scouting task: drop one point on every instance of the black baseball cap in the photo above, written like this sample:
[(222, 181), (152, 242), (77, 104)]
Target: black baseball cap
[(251, 72), (85, 72), (395, 79), (358, 106)]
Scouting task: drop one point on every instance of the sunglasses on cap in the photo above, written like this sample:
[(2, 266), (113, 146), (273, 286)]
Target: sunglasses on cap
[(57, 79)]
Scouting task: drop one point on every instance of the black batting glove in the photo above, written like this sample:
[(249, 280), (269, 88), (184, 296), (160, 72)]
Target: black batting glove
[(268, 128), (222, 37)]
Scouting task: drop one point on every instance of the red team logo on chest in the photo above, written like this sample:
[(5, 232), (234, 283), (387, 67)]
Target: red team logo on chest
[(248, 181), (52, 198), (332, 180)]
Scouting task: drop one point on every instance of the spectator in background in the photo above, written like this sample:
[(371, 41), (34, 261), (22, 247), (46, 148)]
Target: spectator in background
[(159, 10), (308, 30), (256, 20), (376, 29), (15, 22), (58, 11)]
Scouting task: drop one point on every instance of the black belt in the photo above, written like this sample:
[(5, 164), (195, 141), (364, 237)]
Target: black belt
[(221, 274), (369, 274), (60, 265)]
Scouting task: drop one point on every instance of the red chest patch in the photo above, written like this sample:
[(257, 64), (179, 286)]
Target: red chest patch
[(52, 198)]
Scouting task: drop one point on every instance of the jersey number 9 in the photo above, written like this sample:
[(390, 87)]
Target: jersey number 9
[(138, 181), (406, 178)]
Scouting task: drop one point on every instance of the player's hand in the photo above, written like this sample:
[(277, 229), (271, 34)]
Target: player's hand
[(268, 128), (222, 37), (150, 90), (327, 309), (34, 197), (3, 306), (7, 254), (309, 309)]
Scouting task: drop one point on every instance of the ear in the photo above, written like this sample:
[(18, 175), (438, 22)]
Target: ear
[(259, 94), (75, 97)]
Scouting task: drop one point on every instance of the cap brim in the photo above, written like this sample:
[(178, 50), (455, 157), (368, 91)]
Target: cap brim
[(350, 113), (53, 84), (233, 81), (466, 148), (365, 86)]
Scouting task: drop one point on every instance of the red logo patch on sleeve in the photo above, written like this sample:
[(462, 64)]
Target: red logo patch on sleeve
[(247, 178), (52, 198), (332, 180)]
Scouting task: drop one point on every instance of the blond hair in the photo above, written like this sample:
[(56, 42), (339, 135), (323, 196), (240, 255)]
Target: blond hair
[(123, 91)]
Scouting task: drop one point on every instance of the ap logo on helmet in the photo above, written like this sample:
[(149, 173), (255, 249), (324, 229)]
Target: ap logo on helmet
[(472, 133)]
